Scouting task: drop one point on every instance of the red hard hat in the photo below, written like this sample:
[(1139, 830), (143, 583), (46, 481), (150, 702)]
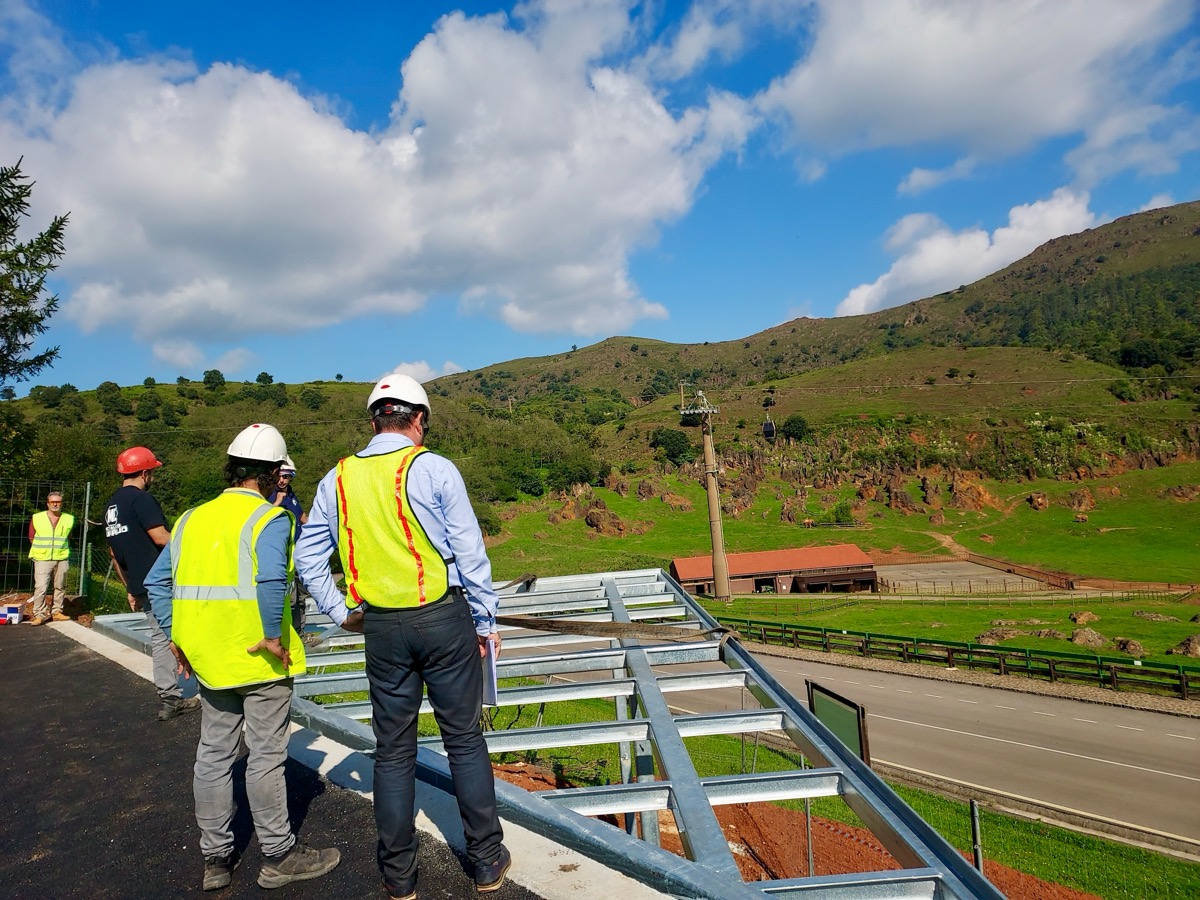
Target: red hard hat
[(136, 459)]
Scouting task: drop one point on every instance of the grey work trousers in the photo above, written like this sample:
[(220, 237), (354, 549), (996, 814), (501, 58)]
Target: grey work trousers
[(264, 710), (43, 571), (165, 666)]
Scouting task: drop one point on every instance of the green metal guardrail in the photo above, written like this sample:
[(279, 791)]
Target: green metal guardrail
[(1118, 673)]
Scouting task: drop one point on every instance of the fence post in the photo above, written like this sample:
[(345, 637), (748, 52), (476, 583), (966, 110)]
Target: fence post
[(1183, 684), (1050, 668), (1113, 670), (950, 658)]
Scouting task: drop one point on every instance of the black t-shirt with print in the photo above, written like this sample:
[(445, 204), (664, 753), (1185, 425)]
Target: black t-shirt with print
[(130, 513)]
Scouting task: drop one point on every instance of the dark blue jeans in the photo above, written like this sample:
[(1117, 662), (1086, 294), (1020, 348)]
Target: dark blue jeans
[(435, 647)]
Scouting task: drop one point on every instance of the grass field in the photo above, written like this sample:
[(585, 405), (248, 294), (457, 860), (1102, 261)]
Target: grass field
[(966, 620), (1135, 534)]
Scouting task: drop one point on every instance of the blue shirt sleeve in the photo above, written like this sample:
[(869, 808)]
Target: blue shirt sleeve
[(158, 584), (317, 541), (439, 498), (272, 548)]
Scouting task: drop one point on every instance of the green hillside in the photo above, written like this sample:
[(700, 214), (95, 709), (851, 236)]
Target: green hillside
[(1076, 363)]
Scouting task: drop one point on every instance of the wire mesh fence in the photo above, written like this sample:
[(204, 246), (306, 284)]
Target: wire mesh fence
[(19, 501)]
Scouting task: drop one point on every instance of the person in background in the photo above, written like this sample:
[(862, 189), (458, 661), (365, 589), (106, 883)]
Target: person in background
[(420, 583), (49, 534), (220, 591), (136, 531), (284, 495)]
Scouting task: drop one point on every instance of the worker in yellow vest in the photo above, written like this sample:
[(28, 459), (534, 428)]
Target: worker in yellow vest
[(49, 534), (420, 586), (219, 590)]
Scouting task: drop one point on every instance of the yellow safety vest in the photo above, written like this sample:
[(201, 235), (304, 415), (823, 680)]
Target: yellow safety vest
[(386, 555), (50, 541), (215, 615)]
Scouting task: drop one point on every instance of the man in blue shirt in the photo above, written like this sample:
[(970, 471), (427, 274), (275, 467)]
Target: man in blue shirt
[(412, 640), (284, 495)]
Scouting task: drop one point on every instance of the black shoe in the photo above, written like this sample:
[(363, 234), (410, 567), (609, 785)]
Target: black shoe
[(298, 864), (172, 708), (489, 877), (218, 871)]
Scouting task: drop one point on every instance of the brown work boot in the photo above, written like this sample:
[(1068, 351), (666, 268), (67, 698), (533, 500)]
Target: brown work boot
[(39, 620), (60, 617), (218, 871), (298, 864)]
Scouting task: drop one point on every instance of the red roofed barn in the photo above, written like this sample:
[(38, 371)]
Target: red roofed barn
[(803, 570)]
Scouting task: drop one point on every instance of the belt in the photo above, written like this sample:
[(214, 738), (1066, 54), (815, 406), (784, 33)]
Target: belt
[(453, 593)]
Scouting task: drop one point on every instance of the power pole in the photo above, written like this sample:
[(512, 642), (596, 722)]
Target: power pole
[(705, 410)]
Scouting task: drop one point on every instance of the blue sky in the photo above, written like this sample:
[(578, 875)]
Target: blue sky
[(309, 190)]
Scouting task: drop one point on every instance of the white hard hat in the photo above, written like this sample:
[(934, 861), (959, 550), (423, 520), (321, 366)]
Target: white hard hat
[(403, 388), (288, 465), (259, 442)]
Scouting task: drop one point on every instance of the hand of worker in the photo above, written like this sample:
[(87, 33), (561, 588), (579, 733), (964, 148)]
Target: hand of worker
[(182, 666), (133, 602), (275, 647), (354, 621), (494, 638)]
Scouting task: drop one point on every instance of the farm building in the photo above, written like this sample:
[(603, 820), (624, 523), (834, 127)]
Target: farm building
[(803, 570)]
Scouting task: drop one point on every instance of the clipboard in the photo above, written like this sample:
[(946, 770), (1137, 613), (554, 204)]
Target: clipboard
[(491, 691)]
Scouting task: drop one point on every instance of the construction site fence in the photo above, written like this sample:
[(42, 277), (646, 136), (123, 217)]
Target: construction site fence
[(1116, 673)]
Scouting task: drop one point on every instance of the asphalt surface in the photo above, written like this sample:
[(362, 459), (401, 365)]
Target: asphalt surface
[(96, 794)]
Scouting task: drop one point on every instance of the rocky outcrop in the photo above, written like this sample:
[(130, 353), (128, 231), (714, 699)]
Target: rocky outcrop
[(646, 490), (994, 636), (1130, 646), (1153, 616), (1081, 500), (603, 520), (1189, 646), (1039, 501), (1182, 493), (1049, 633), (677, 503), (570, 510), (968, 495), (938, 518), (1083, 617), (618, 485)]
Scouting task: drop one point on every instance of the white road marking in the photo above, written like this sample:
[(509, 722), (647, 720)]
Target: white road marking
[(1037, 713), (960, 700), (851, 682), (901, 691), (998, 740), (1013, 708), (878, 687), (1183, 736), (1130, 728), (1089, 721), (935, 696)]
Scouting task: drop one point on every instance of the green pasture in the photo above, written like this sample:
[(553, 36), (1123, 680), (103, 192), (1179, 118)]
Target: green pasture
[(1136, 534), (965, 619)]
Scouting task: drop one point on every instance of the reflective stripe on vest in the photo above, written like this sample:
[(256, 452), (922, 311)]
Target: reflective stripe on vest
[(51, 541), (214, 564), (386, 555)]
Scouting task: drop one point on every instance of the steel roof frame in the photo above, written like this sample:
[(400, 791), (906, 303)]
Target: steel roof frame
[(657, 772)]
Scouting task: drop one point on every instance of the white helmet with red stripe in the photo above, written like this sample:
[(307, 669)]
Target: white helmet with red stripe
[(403, 389)]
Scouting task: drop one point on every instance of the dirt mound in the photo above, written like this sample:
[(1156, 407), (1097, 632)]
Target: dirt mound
[(1088, 637), (1083, 617), (968, 495), (677, 503), (1039, 501), (1053, 633)]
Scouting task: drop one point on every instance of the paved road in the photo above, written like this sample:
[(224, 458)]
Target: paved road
[(1130, 765)]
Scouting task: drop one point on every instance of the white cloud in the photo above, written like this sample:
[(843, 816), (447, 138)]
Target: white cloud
[(235, 361), (182, 354), (1158, 201), (920, 180), (989, 78), (423, 371), (518, 174), (933, 258)]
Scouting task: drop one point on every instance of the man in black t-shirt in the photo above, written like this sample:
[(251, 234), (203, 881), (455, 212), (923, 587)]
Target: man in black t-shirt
[(136, 531)]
